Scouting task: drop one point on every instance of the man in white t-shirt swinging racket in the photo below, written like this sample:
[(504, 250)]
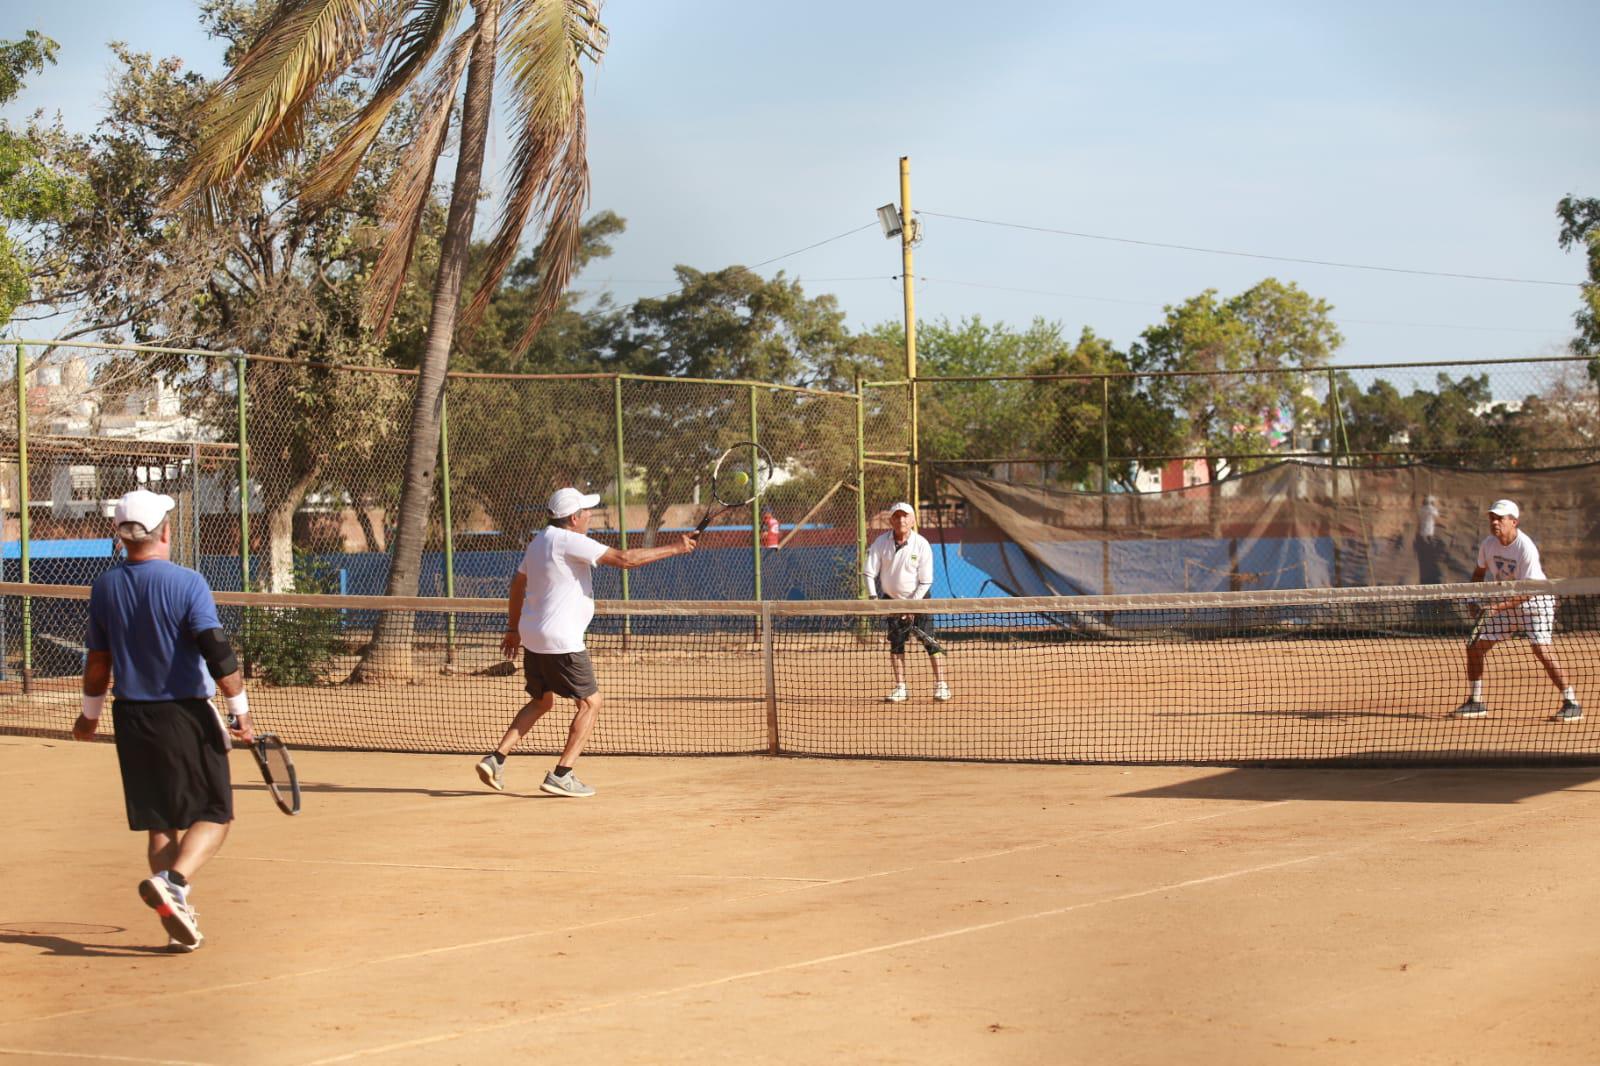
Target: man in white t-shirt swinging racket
[(550, 607), (1510, 555)]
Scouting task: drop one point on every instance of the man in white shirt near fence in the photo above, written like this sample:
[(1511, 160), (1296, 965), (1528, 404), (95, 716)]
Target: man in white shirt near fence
[(900, 567), (550, 607), (1508, 554)]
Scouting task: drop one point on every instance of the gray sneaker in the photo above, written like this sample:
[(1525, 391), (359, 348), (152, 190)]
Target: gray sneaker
[(568, 785), (492, 773), (1471, 709), (1571, 711)]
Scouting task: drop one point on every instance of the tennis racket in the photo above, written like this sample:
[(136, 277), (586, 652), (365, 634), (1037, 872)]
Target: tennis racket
[(738, 478), (277, 769)]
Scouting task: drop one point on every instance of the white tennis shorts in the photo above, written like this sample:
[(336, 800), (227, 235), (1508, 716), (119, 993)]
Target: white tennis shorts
[(1534, 619)]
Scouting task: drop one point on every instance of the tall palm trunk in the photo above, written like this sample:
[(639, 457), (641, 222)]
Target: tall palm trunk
[(388, 657)]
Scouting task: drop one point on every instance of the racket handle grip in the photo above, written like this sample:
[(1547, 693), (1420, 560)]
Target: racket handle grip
[(700, 527)]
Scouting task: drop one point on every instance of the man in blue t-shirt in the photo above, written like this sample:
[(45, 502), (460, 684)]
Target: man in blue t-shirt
[(153, 627)]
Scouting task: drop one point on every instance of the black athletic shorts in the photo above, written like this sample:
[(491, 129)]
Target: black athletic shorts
[(900, 632), (568, 674), (174, 764)]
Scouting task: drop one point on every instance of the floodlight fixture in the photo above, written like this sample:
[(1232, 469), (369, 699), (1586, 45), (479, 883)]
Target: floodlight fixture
[(889, 220)]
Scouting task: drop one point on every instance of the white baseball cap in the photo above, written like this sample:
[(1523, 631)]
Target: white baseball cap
[(147, 508), (1505, 508), (903, 506), (564, 502)]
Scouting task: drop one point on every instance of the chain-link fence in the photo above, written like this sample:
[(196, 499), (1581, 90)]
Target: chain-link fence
[(1147, 432), (321, 449)]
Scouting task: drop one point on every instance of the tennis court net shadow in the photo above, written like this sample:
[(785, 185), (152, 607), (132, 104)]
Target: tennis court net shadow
[(1489, 786), (438, 793)]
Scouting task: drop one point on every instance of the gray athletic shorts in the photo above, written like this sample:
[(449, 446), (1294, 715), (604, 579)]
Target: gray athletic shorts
[(568, 674), (174, 764)]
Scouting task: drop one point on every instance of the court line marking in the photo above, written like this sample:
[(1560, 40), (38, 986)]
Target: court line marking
[(96, 1058), (821, 960), (653, 875), (622, 919)]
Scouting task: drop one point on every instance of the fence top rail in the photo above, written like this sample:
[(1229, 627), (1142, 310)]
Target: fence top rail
[(1583, 586), (467, 375), (1239, 372)]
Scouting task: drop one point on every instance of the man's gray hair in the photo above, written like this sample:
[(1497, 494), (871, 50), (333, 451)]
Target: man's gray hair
[(136, 533)]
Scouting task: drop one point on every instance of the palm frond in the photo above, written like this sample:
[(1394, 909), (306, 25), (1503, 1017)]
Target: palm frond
[(544, 43), (427, 29), (254, 117), (407, 199)]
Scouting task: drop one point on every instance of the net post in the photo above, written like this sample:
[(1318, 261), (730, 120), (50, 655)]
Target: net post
[(769, 678), (622, 494), (241, 365), (24, 526), (449, 527)]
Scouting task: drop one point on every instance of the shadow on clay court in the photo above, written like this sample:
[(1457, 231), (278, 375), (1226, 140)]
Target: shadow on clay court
[(1319, 714), (53, 943), (437, 793), (1492, 786)]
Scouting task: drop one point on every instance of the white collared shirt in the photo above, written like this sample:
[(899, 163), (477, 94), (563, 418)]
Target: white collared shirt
[(905, 571)]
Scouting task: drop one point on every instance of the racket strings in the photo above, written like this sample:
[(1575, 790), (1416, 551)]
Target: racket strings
[(739, 479)]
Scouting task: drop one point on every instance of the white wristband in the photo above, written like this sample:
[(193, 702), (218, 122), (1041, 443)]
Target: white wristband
[(239, 705), (93, 705)]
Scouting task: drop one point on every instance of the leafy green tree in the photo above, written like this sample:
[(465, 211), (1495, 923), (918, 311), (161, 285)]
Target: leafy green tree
[(1457, 423), (1109, 401), (732, 324), (513, 441), (1580, 228), (264, 277), (35, 196), (1232, 366), (423, 56)]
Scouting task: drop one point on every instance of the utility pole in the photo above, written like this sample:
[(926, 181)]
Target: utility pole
[(908, 237)]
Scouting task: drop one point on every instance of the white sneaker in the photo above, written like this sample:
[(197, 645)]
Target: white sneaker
[(178, 947), (941, 691), (171, 904), (896, 694)]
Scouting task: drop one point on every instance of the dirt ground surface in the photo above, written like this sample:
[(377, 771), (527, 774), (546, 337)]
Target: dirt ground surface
[(789, 910)]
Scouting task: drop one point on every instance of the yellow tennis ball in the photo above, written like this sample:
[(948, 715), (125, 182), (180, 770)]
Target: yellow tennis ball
[(740, 477)]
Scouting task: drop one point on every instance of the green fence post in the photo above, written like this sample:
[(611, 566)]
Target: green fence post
[(622, 483), (1333, 470), (861, 489), (244, 477), (1105, 486), (449, 525), (24, 527), (755, 504)]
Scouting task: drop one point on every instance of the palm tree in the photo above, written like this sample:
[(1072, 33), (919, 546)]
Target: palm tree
[(253, 122)]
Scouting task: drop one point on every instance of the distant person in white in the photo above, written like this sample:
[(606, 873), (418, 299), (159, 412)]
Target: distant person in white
[(900, 567), (1510, 555), (550, 607), (1429, 549)]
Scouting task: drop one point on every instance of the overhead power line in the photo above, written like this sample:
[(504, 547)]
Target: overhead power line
[(1250, 255), (1148, 303)]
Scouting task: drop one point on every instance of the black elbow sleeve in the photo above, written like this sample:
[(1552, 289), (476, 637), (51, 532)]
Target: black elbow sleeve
[(217, 652)]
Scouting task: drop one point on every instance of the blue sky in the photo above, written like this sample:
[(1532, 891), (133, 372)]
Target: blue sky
[(1427, 136)]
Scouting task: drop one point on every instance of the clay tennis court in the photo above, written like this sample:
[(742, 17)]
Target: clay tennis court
[(759, 909)]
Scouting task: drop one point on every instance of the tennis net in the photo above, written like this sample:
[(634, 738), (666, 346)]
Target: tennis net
[(1303, 677)]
